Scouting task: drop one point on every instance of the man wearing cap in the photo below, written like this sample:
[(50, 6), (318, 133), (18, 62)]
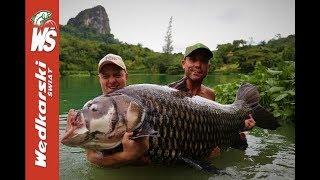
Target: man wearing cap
[(112, 76), (112, 73), (196, 64)]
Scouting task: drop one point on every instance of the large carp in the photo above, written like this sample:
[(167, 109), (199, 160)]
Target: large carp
[(179, 125)]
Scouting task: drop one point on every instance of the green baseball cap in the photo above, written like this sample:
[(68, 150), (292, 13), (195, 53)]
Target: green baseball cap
[(198, 46)]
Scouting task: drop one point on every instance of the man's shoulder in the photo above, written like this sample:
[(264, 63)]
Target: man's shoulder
[(209, 92), (207, 89)]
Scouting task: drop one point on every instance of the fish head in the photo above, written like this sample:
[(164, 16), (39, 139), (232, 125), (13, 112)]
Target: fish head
[(76, 130), (102, 122)]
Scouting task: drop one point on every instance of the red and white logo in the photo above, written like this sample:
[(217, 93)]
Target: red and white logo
[(42, 89), (44, 32)]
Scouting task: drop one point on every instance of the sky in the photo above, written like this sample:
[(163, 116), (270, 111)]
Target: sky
[(210, 22)]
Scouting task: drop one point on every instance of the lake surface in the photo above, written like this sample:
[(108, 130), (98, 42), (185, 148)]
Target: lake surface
[(270, 155)]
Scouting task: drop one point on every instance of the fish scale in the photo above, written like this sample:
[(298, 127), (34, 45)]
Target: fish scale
[(196, 128)]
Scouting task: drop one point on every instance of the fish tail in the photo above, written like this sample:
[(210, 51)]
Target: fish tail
[(250, 95)]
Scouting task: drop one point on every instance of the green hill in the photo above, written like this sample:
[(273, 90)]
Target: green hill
[(82, 48)]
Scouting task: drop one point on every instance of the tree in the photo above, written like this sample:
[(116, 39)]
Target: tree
[(262, 43), (278, 36), (250, 41), (221, 54), (168, 48), (239, 43)]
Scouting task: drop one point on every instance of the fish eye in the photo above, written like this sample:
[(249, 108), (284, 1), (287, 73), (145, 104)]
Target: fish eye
[(93, 107)]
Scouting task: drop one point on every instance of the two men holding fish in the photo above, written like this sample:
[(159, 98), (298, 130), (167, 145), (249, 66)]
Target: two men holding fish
[(113, 76)]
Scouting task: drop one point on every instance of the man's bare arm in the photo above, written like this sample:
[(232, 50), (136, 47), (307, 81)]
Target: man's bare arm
[(132, 150)]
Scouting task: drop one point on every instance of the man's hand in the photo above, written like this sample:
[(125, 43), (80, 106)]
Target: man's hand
[(215, 153), (249, 123), (95, 157), (243, 135), (134, 149)]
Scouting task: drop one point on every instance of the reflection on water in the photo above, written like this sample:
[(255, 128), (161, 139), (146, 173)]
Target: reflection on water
[(270, 154)]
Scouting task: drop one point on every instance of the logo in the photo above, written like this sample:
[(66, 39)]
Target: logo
[(44, 32)]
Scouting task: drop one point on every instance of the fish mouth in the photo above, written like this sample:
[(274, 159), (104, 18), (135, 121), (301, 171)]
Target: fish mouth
[(76, 130)]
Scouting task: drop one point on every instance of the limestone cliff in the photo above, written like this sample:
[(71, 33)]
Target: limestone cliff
[(95, 18)]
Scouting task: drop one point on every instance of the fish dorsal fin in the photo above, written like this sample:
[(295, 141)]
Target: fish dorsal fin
[(134, 116)]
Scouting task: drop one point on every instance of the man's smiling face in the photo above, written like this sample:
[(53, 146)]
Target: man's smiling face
[(111, 78)]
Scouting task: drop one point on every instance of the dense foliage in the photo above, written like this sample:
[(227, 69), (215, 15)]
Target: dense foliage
[(86, 33), (244, 57), (81, 49), (274, 77)]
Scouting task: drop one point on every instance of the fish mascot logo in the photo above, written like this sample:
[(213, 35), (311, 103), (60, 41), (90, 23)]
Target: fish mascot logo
[(44, 32)]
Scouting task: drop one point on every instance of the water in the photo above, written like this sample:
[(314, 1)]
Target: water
[(75, 91), (270, 154)]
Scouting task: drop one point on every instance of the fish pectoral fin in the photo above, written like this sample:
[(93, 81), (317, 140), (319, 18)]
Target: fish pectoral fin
[(201, 165), (134, 114)]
